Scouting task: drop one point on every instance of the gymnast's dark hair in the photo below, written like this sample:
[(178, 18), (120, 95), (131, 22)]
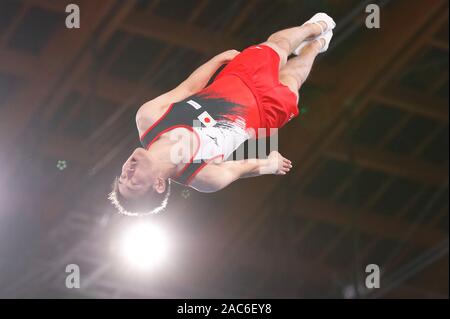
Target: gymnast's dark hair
[(149, 203)]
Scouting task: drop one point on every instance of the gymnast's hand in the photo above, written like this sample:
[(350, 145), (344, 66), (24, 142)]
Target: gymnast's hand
[(278, 164), (227, 56)]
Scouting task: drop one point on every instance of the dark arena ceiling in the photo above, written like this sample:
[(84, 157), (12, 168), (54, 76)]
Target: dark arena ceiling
[(370, 177)]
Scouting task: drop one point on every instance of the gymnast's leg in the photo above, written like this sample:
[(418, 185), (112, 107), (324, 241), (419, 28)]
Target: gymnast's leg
[(295, 72), (284, 42)]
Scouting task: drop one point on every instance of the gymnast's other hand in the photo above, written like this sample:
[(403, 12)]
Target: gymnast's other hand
[(278, 164), (227, 56)]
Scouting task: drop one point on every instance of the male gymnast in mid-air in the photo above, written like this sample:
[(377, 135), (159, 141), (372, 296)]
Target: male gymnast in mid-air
[(188, 133)]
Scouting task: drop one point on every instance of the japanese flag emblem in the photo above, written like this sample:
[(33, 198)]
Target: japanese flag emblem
[(206, 119)]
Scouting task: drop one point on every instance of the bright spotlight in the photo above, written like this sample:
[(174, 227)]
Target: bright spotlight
[(144, 245)]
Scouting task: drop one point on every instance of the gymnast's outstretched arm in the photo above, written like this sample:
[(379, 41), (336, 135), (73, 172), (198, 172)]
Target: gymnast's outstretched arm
[(194, 83), (215, 177)]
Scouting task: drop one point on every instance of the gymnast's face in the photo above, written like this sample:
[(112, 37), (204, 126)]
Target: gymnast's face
[(136, 178)]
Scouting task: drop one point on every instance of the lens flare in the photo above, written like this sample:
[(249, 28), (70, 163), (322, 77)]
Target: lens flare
[(145, 246)]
